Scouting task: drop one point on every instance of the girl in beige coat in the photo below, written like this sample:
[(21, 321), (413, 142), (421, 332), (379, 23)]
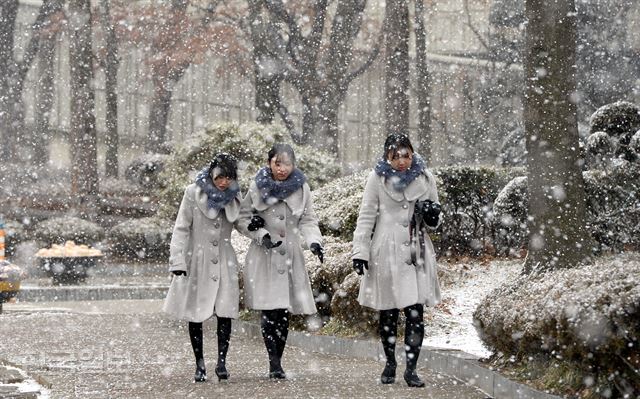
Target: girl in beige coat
[(202, 260), (277, 213), (392, 250)]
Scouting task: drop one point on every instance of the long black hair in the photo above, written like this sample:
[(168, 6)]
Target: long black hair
[(280, 148), (227, 163), (395, 142)]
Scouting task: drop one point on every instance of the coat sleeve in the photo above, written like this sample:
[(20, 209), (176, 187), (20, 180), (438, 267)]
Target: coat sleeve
[(308, 223), (246, 212), (366, 219), (181, 233)]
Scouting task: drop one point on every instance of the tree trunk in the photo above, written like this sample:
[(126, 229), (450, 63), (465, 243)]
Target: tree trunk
[(111, 85), (558, 237), (84, 165), (396, 83), (158, 117), (45, 92), (423, 84), (8, 14)]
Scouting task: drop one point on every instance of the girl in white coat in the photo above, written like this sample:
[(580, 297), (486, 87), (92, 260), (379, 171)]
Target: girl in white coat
[(393, 252), (202, 260), (277, 213)]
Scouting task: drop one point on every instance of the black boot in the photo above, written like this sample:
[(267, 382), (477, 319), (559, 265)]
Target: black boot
[(195, 334), (271, 343), (413, 336), (282, 330), (388, 329), (224, 336)]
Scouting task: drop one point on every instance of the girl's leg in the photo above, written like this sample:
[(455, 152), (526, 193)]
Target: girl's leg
[(195, 334), (413, 337), (224, 336), (282, 329), (388, 329), (268, 327)]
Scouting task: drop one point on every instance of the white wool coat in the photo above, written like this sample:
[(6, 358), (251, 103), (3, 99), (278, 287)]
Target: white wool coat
[(277, 278), (201, 246), (382, 237)]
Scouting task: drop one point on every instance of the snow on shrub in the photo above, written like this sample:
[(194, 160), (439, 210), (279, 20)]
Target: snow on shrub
[(68, 228), (589, 314), (250, 143), (620, 120), (600, 150), (337, 204), (510, 216), (145, 169), (346, 311), (146, 238)]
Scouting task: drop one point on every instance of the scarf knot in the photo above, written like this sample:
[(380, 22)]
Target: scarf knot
[(400, 180), (271, 191), (216, 199)]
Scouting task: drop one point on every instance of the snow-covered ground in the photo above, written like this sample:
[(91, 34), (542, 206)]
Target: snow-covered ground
[(450, 324)]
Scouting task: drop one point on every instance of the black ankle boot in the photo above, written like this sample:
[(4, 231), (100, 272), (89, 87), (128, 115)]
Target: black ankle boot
[(201, 372), (412, 379), (389, 373), (221, 371), (275, 369)]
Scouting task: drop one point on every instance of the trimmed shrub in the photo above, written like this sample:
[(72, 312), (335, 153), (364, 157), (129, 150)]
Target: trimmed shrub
[(510, 216), (145, 169), (346, 311), (65, 228), (146, 238), (620, 120), (589, 315), (250, 143), (600, 149)]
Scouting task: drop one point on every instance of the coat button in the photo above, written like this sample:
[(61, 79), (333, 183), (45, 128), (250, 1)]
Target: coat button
[(408, 261), (281, 271), (214, 278), (406, 243), (282, 235), (282, 252), (216, 225), (281, 217), (215, 243), (405, 206), (405, 224), (214, 261)]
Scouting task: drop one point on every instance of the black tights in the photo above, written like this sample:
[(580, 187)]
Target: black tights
[(224, 336), (275, 328), (413, 333)]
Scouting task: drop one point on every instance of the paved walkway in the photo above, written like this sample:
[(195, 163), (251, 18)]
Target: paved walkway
[(128, 349)]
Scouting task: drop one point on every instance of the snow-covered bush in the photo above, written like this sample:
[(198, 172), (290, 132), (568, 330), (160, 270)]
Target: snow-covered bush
[(326, 278), (68, 228), (14, 234), (588, 315), (146, 238), (510, 216), (467, 195), (337, 204), (347, 312), (600, 150), (145, 169), (250, 143), (620, 120)]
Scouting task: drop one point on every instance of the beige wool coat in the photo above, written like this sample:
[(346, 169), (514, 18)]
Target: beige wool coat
[(277, 278), (382, 237), (201, 246)]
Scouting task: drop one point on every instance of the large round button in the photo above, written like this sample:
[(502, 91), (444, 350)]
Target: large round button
[(405, 206), (282, 235), (405, 224), (214, 278), (282, 252), (408, 261), (280, 271), (406, 243), (281, 217), (215, 243), (216, 225), (214, 261)]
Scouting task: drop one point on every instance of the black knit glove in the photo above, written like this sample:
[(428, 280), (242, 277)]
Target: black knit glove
[(257, 222), (318, 251), (430, 212), (179, 273), (359, 265), (266, 241)]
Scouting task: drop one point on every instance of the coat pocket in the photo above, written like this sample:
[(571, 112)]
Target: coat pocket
[(175, 304)]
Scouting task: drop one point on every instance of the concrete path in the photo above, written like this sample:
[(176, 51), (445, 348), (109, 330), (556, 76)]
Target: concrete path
[(129, 349)]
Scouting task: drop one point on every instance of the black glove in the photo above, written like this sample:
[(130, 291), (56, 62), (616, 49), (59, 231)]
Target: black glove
[(266, 241), (256, 223), (179, 273), (430, 212), (359, 265), (318, 251)]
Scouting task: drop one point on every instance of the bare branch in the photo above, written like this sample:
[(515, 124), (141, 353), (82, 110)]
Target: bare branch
[(473, 28), (367, 63)]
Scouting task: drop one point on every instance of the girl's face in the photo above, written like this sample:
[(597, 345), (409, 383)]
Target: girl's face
[(281, 166), (222, 183), (400, 160)]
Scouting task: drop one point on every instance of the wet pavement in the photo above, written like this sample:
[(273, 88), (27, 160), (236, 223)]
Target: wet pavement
[(129, 349)]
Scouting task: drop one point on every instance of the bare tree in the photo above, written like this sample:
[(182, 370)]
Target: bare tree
[(423, 82), (396, 66), (110, 65), (84, 164), (558, 237), (8, 14), (320, 68)]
